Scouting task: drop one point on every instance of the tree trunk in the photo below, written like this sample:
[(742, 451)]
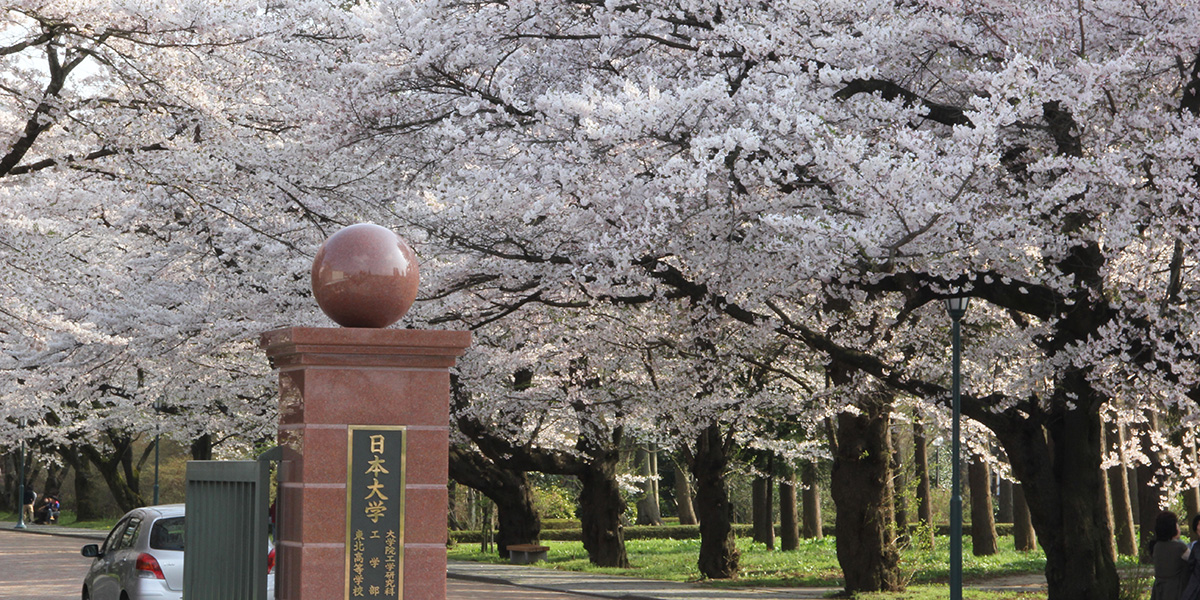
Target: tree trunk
[(594, 463), (600, 510), (1118, 483), (812, 523), (117, 470), (763, 505), (983, 525), (758, 491), (1191, 495), (202, 447), (54, 479), (452, 505), (1057, 461), (1004, 508), (862, 493), (718, 553), (789, 525), (87, 504), (1106, 499), (518, 521), (8, 494), (1134, 494), (31, 473), (1023, 536), (683, 496), (1151, 497), (648, 510), (921, 472), (900, 486), (487, 532), (769, 506), (1191, 500), (33, 470)]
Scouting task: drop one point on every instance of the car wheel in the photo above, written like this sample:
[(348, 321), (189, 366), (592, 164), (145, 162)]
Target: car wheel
[(85, 594)]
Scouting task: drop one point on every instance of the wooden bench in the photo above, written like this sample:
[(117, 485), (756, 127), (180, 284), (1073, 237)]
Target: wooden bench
[(526, 554)]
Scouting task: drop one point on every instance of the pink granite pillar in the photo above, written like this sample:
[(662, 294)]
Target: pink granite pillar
[(334, 378)]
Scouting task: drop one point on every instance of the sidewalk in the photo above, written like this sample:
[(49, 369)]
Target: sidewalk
[(87, 534), (518, 577), (612, 586)]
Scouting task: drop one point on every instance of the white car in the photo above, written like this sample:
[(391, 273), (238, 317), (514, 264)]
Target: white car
[(142, 558)]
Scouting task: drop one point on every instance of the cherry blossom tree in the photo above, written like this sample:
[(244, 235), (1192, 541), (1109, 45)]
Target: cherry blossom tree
[(553, 391), (155, 216), (721, 177), (825, 173)]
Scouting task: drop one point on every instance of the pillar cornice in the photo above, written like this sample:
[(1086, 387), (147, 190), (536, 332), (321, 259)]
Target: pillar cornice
[(302, 347)]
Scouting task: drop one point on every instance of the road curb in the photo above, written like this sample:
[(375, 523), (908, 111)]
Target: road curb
[(501, 581), (55, 530)]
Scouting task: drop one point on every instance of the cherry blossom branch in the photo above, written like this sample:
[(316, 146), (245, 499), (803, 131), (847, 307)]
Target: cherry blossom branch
[(938, 112), (42, 117), (68, 160)]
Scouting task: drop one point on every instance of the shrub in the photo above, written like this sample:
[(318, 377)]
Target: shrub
[(567, 530)]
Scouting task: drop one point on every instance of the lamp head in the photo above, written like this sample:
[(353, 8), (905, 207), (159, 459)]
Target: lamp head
[(957, 307)]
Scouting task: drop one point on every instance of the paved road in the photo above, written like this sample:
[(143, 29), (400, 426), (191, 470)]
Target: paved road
[(49, 567), (40, 567)]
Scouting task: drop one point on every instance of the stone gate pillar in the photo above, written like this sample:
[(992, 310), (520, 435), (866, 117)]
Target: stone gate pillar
[(368, 519)]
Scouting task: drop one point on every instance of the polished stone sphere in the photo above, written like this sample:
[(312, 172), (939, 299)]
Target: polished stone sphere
[(365, 276)]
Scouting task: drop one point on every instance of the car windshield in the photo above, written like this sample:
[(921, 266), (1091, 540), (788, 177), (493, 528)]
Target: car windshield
[(167, 534)]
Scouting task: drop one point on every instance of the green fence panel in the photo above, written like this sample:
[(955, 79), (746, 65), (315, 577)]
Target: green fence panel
[(226, 530)]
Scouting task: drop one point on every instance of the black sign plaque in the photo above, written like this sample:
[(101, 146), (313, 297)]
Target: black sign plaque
[(375, 512)]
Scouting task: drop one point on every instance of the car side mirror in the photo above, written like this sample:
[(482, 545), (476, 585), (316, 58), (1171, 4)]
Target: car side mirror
[(90, 550)]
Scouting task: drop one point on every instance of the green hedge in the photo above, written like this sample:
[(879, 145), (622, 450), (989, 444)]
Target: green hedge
[(574, 523), (633, 532), (567, 530)]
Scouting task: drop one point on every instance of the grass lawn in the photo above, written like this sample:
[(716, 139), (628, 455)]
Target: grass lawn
[(814, 564)]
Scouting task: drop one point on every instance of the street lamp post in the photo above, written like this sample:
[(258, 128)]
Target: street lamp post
[(21, 481), (936, 474), (957, 307)]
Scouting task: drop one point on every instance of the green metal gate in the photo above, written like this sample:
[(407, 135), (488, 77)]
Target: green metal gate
[(226, 530)]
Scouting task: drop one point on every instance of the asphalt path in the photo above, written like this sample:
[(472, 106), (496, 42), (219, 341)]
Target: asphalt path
[(41, 567), (49, 567)]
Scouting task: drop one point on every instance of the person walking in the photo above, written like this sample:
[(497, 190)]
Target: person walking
[(1170, 555), (27, 504)]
